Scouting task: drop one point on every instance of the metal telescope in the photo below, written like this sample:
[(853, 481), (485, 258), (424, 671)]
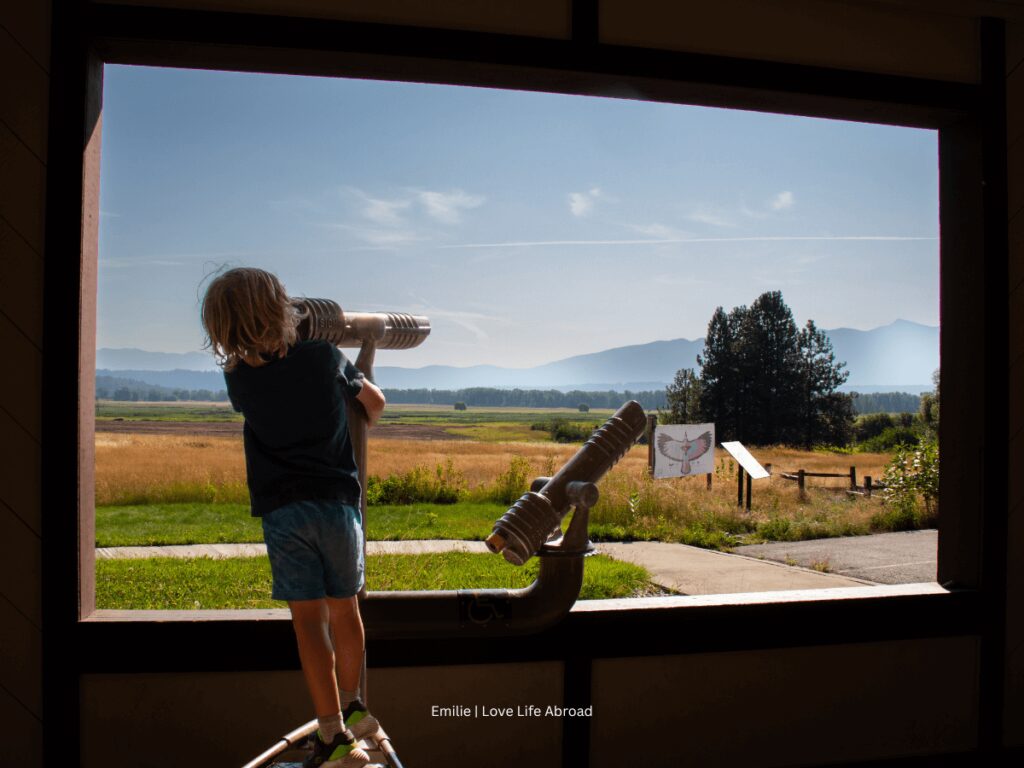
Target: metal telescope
[(521, 531), (324, 319)]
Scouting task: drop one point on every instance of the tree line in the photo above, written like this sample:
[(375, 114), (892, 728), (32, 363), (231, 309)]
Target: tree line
[(132, 390), (525, 398)]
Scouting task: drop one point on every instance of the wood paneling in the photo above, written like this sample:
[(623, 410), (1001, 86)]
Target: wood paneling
[(1015, 180), (872, 38), (20, 561), (21, 661), (790, 707), (21, 284), (23, 735), (23, 97), (19, 472), (537, 18), (1016, 270), (22, 193), (29, 24), (19, 392)]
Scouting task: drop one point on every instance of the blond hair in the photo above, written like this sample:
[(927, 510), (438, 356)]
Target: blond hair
[(248, 317)]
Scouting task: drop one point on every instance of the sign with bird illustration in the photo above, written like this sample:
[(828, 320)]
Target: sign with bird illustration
[(682, 450)]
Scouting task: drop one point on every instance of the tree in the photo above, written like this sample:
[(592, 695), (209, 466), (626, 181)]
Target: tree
[(763, 381), (769, 356), (823, 414), (720, 373), (683, 396), (583, 408), (460, 406), (929, 411)]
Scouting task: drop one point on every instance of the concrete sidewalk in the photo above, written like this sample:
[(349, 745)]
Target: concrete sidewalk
[(678, 567), (695, 571)]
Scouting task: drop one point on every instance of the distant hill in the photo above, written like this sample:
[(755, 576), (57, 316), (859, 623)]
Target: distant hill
[(130, 359), (898, 357)]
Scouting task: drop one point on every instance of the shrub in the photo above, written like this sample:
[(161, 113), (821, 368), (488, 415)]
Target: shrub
[(513, 482), (871, 425), (445, 485), (460, 406), (563, 431), (583, 408), (912, 475), (890, 439)]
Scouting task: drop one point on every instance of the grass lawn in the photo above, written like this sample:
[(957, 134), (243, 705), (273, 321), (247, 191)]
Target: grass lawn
[(203, 583), (211, 523)]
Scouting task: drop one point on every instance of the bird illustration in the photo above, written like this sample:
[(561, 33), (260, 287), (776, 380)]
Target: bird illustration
[(684, 450)]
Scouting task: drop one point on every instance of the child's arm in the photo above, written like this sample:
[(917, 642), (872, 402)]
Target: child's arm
[(372, 400)]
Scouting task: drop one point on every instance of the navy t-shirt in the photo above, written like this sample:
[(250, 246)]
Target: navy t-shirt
[(296, 438)]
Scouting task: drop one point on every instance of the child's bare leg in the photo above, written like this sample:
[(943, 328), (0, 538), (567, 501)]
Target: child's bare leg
[(310, 620), (349, 639)]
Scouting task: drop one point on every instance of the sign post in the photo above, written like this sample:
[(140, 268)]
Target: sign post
[(747, 463)]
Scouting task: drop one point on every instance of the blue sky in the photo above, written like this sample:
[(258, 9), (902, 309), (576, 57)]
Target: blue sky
[(529, 227)]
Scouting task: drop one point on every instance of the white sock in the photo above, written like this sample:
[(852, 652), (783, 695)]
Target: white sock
[(347, 697), (330, 727)]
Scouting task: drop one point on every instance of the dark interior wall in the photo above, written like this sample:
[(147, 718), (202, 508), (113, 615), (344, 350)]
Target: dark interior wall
[(24, 91), (1014, 713), (934, 682)]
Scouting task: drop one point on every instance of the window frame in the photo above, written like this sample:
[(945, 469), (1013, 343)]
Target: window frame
[(970, 119)]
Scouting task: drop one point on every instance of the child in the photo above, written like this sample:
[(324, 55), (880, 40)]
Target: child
[(304, 484)]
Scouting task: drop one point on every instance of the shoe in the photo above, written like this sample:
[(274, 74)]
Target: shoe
[(342, 752), (359, 720)]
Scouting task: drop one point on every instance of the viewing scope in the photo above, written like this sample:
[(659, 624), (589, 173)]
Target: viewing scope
[(325, 320), (521, 531)]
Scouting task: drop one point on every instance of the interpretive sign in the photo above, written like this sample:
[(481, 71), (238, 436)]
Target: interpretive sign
[(682, 450), (748, 462)]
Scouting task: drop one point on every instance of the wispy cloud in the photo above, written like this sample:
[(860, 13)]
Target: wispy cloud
[(470, 321), (582, 203), (756, 239), (447, 207), (709, 216), (659, 231), (781, 201), (380, 237)]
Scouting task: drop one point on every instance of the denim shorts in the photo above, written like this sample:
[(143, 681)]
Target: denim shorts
[(315, 549)]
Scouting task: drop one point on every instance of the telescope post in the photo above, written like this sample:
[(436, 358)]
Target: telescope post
[(357, 431)]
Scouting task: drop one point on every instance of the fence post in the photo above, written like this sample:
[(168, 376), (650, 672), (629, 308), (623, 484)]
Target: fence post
[(800, 481), (853, 478), (867, 486), (652, 422), (709, 480)]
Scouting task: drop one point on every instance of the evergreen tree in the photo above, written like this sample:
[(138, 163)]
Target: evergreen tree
[(720, 373), (823, 414), (769, 355), (763, 381), (683, 396)]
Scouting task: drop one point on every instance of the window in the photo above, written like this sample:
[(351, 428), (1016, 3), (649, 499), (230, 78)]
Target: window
[(533, 229)]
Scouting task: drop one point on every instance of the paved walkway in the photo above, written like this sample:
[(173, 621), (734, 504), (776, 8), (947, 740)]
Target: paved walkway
[(888, 558), (681, 568)]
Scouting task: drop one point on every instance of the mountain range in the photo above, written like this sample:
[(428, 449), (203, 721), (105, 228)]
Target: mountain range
[(900, 356)]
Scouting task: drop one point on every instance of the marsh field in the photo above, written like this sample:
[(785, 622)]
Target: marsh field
[(174, 473)]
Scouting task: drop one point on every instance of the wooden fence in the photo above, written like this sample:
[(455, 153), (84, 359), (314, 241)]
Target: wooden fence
[(800, 477)]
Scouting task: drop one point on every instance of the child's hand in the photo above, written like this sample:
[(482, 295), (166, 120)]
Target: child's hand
[(372, 400)]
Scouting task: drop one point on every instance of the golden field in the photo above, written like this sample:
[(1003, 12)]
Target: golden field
[(151, 468)]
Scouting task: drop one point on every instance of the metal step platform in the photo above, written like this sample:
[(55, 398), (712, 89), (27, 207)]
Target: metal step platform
[(291, 749)]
